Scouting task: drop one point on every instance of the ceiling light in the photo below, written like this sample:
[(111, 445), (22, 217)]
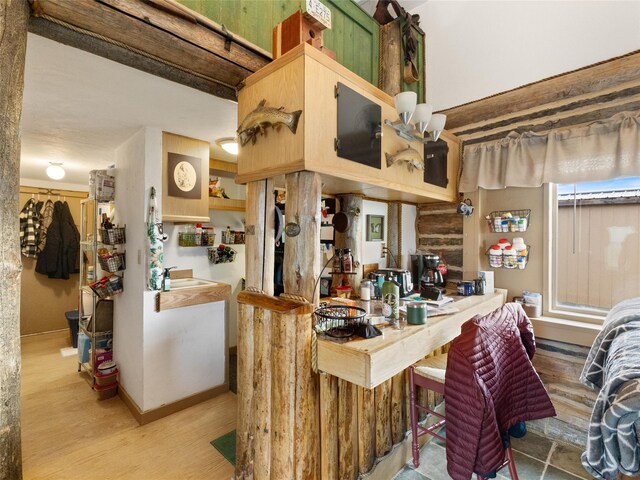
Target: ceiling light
[(423, 120), (229, 144), (55, 171)]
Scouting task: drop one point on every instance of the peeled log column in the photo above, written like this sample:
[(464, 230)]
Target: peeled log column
[(259, 236), (329, 426), (245, 425), (383, 418), (302, 251), (366, 429), (283, 396), (13, 44), (347, 430), (307, 426), (262, 395), (398, 406), (351, 238)]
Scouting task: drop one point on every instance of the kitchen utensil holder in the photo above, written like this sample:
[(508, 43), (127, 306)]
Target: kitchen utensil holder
[(112, 263), (338, 321), (511, 225), (113, 236)]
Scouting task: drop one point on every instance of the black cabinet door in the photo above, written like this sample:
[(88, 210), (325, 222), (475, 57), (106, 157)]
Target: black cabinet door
[(435, 163)]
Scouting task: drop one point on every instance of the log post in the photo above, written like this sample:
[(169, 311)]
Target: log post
[(366, 429), (347, 430), (383, 418), (329, 427), (398, 408), (13, 43), (245, 425), (351, 238), (259, 236), (262, 394), (394, 235)]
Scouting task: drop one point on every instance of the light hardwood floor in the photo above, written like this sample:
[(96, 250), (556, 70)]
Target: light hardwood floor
[(67, 433)]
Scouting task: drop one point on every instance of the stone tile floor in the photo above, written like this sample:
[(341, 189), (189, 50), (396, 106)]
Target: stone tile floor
[(537, 458)]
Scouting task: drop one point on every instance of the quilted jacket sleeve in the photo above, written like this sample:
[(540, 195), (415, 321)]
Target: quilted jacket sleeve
[(464, 409), (526, 329)]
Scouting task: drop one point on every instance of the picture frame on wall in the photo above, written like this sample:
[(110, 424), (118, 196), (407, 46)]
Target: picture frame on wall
[(375, 228)]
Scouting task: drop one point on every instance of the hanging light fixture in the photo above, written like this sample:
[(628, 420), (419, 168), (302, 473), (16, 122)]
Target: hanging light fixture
[(55, 171), (229, 145), (426, 127)]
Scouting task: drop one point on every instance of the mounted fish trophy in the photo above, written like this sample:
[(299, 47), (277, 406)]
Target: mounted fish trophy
[(263, 117), (301, 27), (409, 155)]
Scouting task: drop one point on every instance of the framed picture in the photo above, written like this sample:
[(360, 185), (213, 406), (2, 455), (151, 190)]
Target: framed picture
[(375, 228), (183, 175)]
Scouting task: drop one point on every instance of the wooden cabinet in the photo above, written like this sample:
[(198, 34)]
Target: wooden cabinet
[(185, 179), (311, 79)]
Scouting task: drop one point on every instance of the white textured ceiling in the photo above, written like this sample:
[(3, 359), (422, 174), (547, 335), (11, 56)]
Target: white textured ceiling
[(78, 108)]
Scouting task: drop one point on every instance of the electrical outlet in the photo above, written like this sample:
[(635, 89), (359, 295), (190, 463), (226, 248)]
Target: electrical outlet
[(383, 250)]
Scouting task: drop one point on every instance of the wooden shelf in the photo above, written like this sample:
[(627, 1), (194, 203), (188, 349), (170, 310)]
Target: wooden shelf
[(230, 204)]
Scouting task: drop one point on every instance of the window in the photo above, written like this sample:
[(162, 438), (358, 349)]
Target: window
[(594, 246)]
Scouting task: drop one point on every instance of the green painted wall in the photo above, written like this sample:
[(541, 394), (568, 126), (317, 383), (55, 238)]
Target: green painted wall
[(353, 37)]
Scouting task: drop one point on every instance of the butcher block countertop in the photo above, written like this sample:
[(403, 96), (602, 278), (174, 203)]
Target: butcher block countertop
[(369, 362)]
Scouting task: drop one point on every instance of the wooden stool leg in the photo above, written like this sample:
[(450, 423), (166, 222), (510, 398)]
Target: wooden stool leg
[(415, 446), (512, 464)]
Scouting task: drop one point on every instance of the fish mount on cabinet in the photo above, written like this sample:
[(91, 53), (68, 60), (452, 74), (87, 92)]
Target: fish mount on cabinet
[(262, 117), (409, 155)]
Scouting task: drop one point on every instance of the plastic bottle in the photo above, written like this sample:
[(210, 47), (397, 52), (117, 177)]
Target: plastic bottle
[(347, 261), (391, 299), (227, 235), (495, 256), (365, 290), (509, 257), (91, 274), (503, 242), (198, 236)]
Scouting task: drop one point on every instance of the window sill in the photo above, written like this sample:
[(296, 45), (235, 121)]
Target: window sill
[(563, 330)]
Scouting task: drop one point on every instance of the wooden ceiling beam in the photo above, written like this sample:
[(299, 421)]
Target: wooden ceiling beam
[(154, 31), (588, 80)]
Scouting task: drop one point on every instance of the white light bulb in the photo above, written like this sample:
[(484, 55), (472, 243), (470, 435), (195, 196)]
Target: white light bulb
[(55, 171)]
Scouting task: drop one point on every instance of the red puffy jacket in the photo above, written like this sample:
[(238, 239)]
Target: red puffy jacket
[(490, 385)]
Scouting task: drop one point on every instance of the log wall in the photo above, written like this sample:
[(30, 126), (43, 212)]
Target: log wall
[(439, 229)]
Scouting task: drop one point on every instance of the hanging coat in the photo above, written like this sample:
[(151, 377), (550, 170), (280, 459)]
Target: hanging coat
[(61, 254), (29, 228), (46, 215), (156, 254)]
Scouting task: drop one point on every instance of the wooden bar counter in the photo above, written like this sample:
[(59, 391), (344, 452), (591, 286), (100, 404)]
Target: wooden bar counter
[(364, 407), (369, 362)]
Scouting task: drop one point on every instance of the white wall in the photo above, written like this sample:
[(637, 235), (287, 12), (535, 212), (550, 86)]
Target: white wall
[(371, 250), (475, 49), (128, 322)]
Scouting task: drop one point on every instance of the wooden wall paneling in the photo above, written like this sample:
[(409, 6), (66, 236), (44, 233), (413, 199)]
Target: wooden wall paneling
[(307, 391), (347, 430), (283, 393), (383, 418), (366, 429), (262, 384), (177, 209), (329, 458), (245, 426), (394, 234), (259, 235), (302, 254), (352, 238)]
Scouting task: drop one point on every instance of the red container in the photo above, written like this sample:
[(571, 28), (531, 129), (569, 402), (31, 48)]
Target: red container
[(107, 391), (106, 380)]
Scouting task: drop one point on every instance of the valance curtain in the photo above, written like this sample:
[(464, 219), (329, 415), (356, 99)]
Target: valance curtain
[(600, 150)]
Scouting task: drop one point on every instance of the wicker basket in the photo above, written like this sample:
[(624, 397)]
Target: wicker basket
[(505, 221), (112, 263), (217, 255), (107, 286), (113, 236)]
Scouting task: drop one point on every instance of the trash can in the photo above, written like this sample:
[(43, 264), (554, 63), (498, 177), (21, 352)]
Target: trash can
[(72, 319)]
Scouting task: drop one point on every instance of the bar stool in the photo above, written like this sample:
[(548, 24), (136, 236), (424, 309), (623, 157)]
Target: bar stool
[(429, 373)]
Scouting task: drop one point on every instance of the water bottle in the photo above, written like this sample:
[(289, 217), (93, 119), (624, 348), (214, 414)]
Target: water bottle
[(391, 299)]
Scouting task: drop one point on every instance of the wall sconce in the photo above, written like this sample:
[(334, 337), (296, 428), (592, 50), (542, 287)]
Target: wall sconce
[(423, 119), (229, 145), (55, 171)]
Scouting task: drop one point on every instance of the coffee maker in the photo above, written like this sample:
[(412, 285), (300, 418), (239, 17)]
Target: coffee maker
[(424, 271)]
